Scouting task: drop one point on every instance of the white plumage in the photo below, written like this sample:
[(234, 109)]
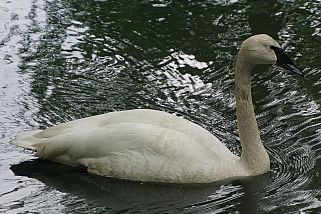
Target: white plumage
[(150, 145)]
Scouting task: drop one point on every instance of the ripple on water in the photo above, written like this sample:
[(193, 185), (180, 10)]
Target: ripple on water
[(290, 122)]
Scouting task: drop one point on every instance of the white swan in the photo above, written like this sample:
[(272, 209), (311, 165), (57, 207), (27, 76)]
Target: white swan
[(150, 145)]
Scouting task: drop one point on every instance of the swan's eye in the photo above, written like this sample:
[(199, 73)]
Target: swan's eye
[(272, 47)]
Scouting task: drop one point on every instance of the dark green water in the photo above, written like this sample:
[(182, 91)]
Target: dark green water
[(63, 60)]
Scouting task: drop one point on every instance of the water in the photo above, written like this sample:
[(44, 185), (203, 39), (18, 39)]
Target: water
[(63, 60)]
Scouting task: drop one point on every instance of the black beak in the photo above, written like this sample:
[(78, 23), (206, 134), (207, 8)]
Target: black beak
[(285, 62)]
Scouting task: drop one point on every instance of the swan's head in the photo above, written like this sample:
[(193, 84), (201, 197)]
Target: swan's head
[(263, 49)]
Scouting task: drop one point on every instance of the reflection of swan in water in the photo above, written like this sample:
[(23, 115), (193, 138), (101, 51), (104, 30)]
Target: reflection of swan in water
[(150, 145), (122, 194)]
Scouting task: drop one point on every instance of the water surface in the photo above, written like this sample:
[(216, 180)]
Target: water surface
[(64, 60)]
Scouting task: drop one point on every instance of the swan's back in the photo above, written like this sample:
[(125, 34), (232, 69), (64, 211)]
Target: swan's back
[(136, 144)]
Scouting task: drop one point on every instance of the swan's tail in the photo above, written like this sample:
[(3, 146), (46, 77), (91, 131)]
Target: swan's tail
[(26, 139)]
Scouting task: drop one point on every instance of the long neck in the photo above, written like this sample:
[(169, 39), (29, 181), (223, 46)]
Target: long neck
[(254, 155)]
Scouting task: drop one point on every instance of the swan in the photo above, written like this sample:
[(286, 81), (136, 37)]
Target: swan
[(155, 146)]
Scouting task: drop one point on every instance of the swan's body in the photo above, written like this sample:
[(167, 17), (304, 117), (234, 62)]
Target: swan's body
[(139, 145), (150, 145)]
